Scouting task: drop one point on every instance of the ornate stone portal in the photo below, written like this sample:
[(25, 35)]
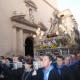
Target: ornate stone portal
[(22, 29)]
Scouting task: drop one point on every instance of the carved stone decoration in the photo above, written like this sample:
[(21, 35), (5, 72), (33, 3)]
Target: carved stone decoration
[(30, 3)]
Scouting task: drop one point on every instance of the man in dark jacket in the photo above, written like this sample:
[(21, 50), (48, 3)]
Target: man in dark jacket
[(62, 70), (76, 67), (28, 71), (47, 72)]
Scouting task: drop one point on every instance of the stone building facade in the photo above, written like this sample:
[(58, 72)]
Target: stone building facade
[(20, 19)]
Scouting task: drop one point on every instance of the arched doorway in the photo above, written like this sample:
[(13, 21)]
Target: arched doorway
[(29, 46)]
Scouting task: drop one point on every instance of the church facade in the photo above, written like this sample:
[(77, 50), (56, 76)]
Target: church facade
[(20, 19)]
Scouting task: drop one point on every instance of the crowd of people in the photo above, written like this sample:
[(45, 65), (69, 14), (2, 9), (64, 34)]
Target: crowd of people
[(43, 67)]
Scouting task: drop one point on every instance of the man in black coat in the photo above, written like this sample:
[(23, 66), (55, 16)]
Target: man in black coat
[(47, 72), (62, 70), (76, 67), (28, 71)]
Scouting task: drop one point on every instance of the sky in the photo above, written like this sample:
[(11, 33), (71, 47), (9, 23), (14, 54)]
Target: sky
[(73, 5)]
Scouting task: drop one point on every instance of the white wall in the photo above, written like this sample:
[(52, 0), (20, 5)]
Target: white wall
[(6, 9), (44, 11)]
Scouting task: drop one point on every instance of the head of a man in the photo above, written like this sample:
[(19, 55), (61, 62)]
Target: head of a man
[(73, 58), (78, 56), (60, 60), (67, 60), (28, 62), (47, 60)]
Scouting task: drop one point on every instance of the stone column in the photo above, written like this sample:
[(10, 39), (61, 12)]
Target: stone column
[(14, 46), (20, 42)]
